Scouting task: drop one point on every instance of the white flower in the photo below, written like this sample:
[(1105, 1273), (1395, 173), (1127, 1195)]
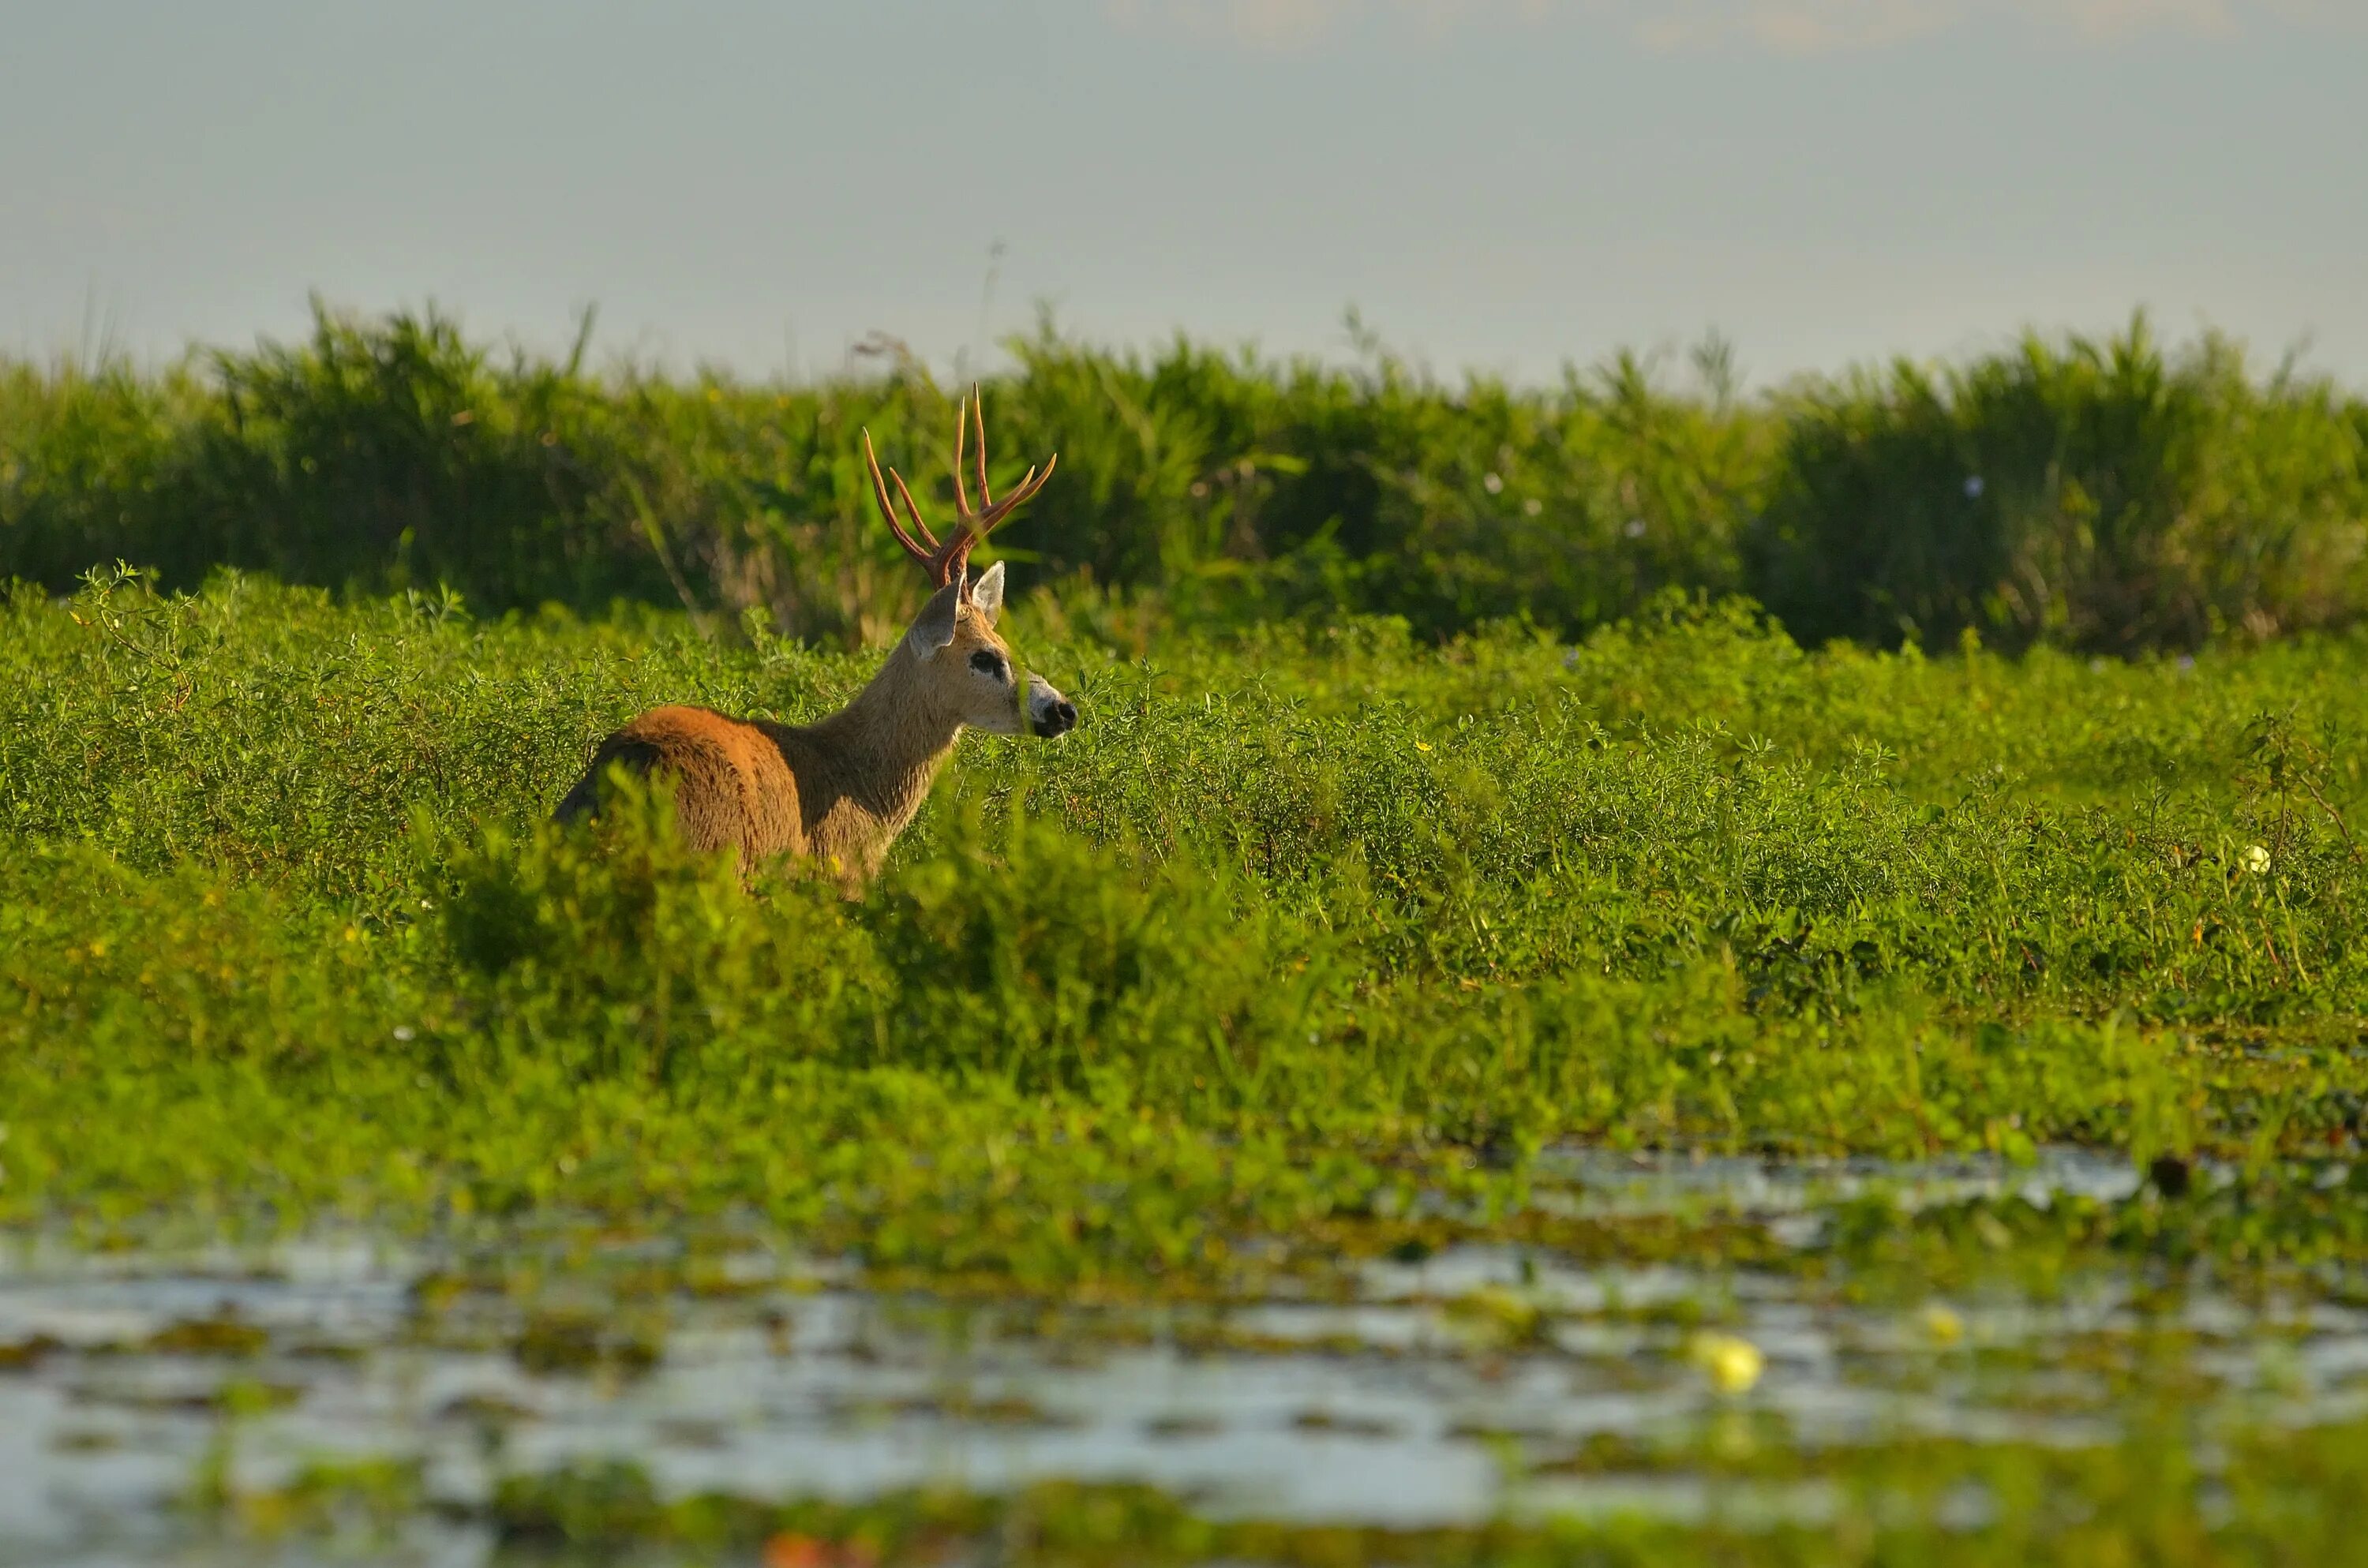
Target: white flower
[(1532, 506), (1493, 483), (2257, 859)]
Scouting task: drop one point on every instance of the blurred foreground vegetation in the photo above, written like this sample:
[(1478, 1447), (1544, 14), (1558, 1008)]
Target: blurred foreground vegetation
[(2275, 1498), (2110, 494)]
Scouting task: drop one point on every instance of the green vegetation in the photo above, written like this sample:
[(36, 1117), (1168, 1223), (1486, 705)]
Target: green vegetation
[(1875, 1506), (1297, 923), (2099, 495), (1427, 816)]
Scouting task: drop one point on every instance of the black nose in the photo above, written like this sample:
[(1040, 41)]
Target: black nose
[(1058, 720)]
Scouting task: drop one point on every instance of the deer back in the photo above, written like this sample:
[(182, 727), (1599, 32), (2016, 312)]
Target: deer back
[(733, 787)]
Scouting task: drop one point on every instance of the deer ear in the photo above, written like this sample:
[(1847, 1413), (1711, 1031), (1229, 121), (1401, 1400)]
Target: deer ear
[(934, 627), (986, 594)]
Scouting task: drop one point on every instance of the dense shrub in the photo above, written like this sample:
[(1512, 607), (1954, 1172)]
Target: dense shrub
[(2096, 494)]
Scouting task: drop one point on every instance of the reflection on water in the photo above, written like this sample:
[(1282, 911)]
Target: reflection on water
[(1444, 1392), (1608, 1182)]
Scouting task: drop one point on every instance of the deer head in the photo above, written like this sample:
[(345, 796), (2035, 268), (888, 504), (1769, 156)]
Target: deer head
[(970, 671)]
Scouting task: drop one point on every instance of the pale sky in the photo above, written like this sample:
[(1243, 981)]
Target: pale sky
[(1500, 185)]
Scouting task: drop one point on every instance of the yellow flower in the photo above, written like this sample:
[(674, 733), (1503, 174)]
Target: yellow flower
[(1733, 1364), (1422, 745), (1942, 1325)]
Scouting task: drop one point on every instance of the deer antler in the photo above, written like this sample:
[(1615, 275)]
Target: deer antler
[(947, 562)]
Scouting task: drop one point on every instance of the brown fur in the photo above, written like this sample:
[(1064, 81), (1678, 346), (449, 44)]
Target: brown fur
[(840, 790)]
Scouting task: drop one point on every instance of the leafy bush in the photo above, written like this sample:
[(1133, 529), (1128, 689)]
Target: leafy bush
[(1060, 966), (2102, 495), (2097, 495), (620, 955)]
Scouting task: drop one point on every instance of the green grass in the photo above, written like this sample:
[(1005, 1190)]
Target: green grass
[(1295, 924)]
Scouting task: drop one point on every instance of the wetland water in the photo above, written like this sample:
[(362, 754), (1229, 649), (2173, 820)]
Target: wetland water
[(1448, 1389)]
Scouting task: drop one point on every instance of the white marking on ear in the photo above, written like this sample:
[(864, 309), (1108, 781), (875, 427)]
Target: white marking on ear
[(934, 627), (986, 594)]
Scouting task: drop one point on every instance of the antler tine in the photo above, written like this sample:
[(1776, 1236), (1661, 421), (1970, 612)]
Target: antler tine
[(961, 428), (978, 412), (973, 408), (1030, 482), (918, 521), (880, 494)]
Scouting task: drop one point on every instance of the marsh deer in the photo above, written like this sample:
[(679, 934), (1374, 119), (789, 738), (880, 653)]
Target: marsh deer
[(842, 790)]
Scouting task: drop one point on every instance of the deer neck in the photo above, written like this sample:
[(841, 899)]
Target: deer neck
[(885, 750)]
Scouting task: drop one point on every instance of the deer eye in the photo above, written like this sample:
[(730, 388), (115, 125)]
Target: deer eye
[(987, 664)]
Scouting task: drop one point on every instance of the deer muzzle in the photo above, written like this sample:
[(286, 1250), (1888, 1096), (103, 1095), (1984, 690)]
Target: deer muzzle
[(1049, 713)]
